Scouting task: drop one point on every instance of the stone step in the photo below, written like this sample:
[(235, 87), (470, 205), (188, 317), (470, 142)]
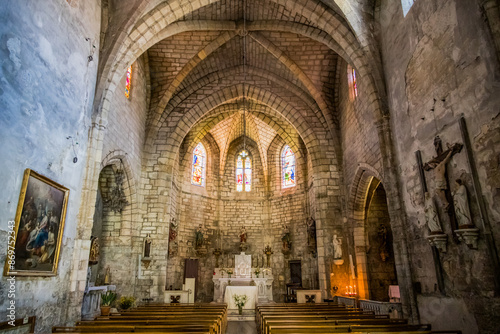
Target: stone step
[(247, 315)]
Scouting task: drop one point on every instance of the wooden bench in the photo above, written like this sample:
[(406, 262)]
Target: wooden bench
[(157, 319)]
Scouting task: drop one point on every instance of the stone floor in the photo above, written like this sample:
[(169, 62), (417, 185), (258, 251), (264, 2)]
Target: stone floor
[(241, 327)]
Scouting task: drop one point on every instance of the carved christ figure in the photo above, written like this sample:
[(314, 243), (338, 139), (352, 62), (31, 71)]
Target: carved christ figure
[(440, 179)]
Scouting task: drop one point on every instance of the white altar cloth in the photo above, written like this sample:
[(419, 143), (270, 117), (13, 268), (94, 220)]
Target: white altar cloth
[(249, 291)]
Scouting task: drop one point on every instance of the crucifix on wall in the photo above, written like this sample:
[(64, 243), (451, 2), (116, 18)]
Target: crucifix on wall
[(441, 182)]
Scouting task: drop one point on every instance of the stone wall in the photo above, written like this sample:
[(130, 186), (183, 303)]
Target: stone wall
[(361, 152), (263, 211), (46, 93), (445, 66), (122, 238)]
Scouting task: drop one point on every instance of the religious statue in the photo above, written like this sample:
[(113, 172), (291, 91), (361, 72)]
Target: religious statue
[(337, 247), (438, 164), (311, 232), (268, 252), (431, 215), (243, 234), (117, 200), (199, 237), (94, 251), (107, 280), (173, 247), (172, 234), (461, 204), (147, 246), (440, 179), (286, 239), (384, 246)]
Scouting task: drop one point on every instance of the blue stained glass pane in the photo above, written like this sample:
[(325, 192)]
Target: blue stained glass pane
[(288, 167), (199, 161)]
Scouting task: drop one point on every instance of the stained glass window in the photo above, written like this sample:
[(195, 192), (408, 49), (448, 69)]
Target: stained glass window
[(199, 163), (353, 83), (288, 167), (128, 82), (243, 172)]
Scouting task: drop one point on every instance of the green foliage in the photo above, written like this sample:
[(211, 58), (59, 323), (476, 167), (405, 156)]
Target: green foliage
[(126, 302), (108, 298), (240, 300)]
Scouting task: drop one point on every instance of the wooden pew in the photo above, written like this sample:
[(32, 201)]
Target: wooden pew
[(158, 318), (325, 328)]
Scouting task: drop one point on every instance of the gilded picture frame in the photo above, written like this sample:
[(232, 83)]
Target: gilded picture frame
[(38, 227)]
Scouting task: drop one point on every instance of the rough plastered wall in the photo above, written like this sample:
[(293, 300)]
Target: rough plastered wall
[(46, 91), (445, 66)]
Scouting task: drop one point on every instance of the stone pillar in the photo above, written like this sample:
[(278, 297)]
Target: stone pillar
[(398, 220)]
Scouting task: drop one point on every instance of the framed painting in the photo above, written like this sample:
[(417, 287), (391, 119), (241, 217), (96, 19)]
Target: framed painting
[(38, 228)]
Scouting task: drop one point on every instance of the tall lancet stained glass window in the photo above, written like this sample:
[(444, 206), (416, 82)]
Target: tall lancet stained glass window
[(243, 172), (288, 167), (199, 165), (128, 81)]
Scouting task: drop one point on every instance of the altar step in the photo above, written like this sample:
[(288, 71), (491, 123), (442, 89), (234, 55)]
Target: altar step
[(247, 315)]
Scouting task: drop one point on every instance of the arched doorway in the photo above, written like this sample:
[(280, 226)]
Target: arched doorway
[(381, 269), (111, 217)]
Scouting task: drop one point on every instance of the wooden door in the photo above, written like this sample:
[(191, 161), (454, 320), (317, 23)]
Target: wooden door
[(296, 272), (191, 271)]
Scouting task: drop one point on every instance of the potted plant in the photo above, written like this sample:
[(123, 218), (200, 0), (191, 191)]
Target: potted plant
[(106, 300), (257, 272), (240, 301), (126, 302)]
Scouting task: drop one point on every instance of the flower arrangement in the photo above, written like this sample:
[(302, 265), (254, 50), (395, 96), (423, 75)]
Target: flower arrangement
[(126, 302), (229, 272), (240, 301), (108, 298), (257, 272)]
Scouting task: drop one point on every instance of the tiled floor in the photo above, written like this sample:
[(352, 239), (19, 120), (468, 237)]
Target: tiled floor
[(241, 327)]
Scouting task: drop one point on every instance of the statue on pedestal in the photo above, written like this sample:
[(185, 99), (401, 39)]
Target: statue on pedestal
[(243, 239), (268, 251), (431, 215), (243, 234), (461, 204), (94, 251), (287, 240), (199, 237), (337, 247), (172, 234), (384, 246), (311, 232), (147, 246)]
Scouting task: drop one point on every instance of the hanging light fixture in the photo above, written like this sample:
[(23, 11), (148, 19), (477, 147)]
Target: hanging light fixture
[(245, 33)]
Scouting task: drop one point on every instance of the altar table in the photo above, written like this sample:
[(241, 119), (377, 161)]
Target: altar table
[(249, 291)]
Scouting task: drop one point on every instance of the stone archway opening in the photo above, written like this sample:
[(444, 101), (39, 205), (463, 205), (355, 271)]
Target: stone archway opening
[(380, 263)]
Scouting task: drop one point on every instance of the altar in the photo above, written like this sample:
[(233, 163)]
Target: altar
[(249, 291), (243, 276)]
